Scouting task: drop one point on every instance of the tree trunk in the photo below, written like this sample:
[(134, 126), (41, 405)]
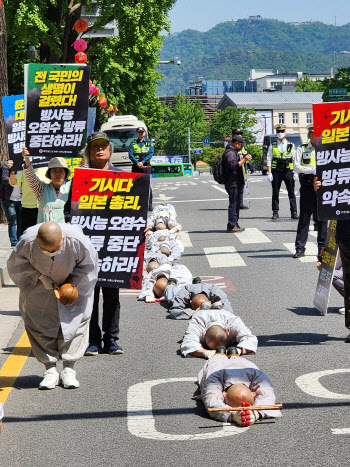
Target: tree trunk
[(3, 91)]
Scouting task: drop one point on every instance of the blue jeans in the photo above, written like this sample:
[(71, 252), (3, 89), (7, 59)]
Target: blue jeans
[(13, 215), (233, 207)]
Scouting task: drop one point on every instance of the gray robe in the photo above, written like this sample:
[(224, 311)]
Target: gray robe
[(180, 303), (40, 309), (239, 334), (220, 372), (175, 271)]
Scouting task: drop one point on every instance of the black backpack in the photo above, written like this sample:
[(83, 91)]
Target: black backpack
[(219, 170)]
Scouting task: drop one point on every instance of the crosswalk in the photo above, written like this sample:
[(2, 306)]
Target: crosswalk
[(227, 256)]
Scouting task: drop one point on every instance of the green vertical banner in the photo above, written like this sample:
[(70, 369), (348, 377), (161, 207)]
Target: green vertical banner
[(57, 102)]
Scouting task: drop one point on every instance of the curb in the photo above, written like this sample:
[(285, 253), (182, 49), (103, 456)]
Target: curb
[(4, 275)]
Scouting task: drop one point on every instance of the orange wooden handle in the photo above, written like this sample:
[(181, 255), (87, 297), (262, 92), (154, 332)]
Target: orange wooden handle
[(249, 407)]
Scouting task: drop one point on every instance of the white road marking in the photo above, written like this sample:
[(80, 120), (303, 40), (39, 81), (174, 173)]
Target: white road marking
[(141, 422), (310, 384), (252, 235), (185, 238), (204, 181), (163, 197), (340, 431), (223, 257), (220, 189), (310, 252)]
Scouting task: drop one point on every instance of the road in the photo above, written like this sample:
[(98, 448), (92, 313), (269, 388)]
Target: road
[(137, 409)]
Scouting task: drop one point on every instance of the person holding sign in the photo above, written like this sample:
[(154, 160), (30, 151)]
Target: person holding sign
[(51, 196), (47, 256), (280, 168), (231, 382), (97, 155), (305, 165), (343, 240)]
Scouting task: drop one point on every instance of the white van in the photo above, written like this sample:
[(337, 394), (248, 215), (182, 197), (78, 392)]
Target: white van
[(121, 130)]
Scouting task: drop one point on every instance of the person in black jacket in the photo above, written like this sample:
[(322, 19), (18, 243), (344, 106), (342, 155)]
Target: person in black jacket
[(235, 181)]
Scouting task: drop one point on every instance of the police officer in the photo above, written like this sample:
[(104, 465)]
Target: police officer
[(280, 168), (305, 165), (140, 153)]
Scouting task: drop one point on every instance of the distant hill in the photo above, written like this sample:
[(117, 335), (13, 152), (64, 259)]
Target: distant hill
[(231, 49)]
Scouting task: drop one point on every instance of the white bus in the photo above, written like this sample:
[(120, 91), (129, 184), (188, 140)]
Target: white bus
[(121, 130)]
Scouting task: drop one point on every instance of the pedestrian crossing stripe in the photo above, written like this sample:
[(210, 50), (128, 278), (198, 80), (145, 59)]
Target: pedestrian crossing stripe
[(311, 252), (252, 235), (185, 238), (223, 257)]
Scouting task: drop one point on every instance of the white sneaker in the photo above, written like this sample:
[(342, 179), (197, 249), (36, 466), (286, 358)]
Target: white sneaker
[(69, 381), (341, 311), (51, 379)]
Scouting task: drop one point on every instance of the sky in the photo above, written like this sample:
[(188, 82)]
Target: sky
[(205, 14)]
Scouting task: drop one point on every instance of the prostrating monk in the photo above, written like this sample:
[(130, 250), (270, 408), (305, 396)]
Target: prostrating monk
[(233, 382), (47, 256)]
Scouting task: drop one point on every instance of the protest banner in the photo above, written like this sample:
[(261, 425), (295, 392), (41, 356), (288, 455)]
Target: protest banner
[(111, 208), (56, 103), (13, 108), (332, 148), (325, 278)]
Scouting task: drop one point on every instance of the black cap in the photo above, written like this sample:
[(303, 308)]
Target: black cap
[(236, 131), (140, 128), (237, 139), (97, 135)]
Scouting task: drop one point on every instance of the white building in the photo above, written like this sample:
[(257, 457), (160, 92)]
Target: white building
[(267, 80), (294, 109)]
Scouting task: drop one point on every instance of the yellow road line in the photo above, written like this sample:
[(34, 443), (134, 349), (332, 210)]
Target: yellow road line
[(13, 366)]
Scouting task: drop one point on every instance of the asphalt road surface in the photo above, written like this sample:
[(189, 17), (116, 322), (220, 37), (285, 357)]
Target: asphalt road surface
[(137, 409)]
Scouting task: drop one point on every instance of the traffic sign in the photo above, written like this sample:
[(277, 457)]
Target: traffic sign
[(206, 142), (197, 151), (337, 92), (227, 138)]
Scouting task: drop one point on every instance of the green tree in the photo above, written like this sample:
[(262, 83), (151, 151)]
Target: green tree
[(123, 65), (305, 84), (223, 121), (180, 116), (340, 80)]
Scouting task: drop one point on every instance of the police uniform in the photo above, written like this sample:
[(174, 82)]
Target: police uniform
[(280, 159), (305, 166), (141, 151)]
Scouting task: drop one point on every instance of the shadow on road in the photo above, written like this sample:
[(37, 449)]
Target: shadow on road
[(300, 338)]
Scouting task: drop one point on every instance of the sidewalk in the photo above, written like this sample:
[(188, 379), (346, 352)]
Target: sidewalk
[(9, 313)]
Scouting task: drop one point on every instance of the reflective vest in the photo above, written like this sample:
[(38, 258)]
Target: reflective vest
[(308, 156), (140, 153), (282, 160)]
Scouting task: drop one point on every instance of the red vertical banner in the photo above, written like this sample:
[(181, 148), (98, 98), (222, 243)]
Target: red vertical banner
[(111, 208), (332, 148)]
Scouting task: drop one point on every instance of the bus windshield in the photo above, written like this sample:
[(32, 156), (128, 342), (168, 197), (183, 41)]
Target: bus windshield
[(121, 138)]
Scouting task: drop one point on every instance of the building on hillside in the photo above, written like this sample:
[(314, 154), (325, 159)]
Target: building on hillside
[(213, 87), (294, 109), (284, 81)]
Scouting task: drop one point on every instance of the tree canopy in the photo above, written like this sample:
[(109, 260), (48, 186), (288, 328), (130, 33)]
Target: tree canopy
[(305, 84), (123, 65), (223, 121), (180, 116), (341, 80)]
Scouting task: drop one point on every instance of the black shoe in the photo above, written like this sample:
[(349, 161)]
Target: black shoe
[(221, 350), (347, 339), (299, 254), (196, 280), (150, 208), (294, 215), (243, 207), (275, 215), (236, 229), (172, 281), (315, 227)]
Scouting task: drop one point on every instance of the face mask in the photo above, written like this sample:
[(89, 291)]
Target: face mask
[(281, 135), (48, 253)]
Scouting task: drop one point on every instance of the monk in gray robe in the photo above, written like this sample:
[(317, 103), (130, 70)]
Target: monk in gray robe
[(183, 303), (47, 256), (211, 328), (228, 382)]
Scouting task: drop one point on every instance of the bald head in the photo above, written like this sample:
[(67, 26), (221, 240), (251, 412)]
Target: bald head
[(165, 250), (152, 265), (238, 393), (215, 336), (160, 286), (197, 300), (50, 236)]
